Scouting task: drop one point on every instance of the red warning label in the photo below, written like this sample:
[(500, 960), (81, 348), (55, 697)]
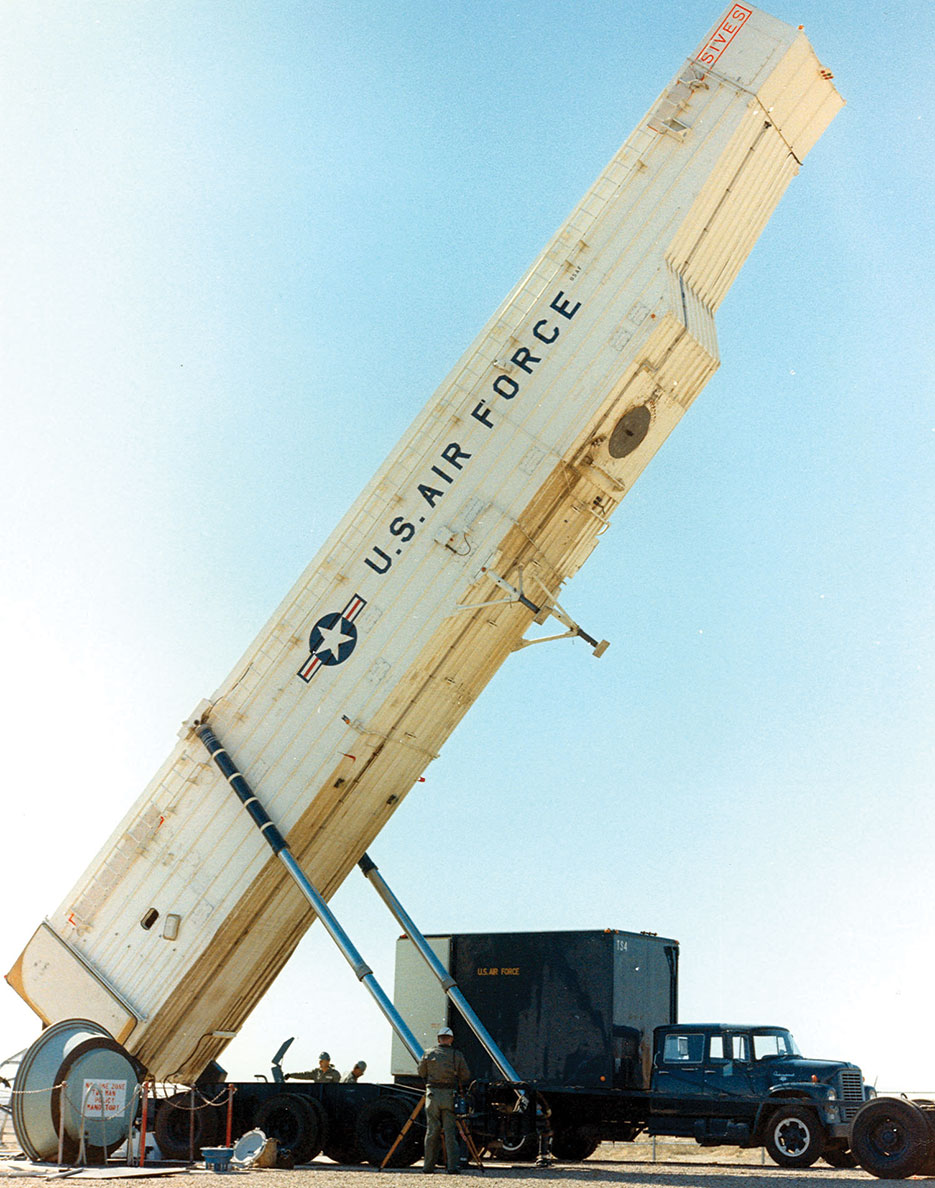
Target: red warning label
[(103, 1099)]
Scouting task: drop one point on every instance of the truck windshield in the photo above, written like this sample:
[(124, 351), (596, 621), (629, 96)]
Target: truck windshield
[(773, 1042)]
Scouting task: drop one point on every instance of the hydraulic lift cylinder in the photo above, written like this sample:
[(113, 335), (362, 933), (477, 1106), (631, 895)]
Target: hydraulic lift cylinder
[(447, 982), (280, 848)]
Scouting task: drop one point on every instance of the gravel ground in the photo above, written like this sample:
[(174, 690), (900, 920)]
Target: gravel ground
[(593, 1171), (676, 1167)]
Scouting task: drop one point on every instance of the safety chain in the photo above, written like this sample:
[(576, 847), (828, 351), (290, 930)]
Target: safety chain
[(26, 1092), (207, 1103)]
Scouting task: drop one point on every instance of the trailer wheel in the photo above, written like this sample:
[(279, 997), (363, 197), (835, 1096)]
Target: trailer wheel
[(343, 1151), (573, 1145), (296, 1123), (891, 1139), (522, 1150), (794, 1136), (378, 1126), (927, 1167), (177, 1136), (839, 1157)]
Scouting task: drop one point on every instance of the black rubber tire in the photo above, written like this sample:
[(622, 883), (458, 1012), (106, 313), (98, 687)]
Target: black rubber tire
[(343, 1150), (839, 1157), (377, 1128), (573, 1145), (524, 1151), (173, 1122), (296, 1123), (928, 1112), (794, 1136), (891, 1138)]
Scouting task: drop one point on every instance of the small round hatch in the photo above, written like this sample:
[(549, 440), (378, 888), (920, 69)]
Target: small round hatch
[(629, 431)]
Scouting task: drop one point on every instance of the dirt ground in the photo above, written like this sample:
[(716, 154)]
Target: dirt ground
[(676, 1165)]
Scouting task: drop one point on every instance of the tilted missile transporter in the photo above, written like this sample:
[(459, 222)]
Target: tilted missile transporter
[(463, 539)]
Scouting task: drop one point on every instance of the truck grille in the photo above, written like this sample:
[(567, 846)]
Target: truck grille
[(850, 1091)]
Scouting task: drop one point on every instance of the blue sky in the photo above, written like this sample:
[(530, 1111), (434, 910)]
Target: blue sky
[(242, 245)]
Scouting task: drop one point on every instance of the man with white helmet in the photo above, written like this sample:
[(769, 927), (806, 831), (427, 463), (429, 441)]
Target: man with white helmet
[(445, 1071)]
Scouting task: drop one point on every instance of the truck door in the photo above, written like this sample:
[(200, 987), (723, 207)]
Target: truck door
[(734, 1079), (728, 1070), (678, 1079)]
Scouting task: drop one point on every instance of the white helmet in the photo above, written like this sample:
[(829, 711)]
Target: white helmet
[(445, 1031)]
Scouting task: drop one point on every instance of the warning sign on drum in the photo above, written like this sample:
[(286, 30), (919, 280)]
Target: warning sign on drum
[(106, 1099)]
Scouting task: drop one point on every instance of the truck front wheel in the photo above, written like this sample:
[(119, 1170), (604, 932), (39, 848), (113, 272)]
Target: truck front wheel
[(794, 1137)]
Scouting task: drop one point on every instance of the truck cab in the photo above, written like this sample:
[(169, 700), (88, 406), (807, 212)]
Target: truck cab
[(749, 1085)]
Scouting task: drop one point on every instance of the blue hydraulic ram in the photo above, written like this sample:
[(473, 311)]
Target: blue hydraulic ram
[(280, 848), (369, 869)]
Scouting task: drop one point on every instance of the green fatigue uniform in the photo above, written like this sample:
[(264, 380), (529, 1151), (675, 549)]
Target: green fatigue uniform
[(444, 1070), (316, 1074)]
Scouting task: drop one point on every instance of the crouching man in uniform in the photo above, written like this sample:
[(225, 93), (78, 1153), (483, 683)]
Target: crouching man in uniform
[(444, 1071)]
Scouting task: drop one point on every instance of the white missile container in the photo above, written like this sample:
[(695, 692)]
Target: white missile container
[(501, 486)]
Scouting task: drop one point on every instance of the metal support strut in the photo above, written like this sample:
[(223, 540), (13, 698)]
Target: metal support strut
[(540, 610), (447, 982), (280, 848)]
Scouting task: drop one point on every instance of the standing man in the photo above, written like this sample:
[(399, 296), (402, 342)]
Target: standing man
[(325, 1071), (444, 1071), (355, 1074)]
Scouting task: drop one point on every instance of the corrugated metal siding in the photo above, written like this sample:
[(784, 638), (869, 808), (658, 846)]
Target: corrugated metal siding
[(647, 257)]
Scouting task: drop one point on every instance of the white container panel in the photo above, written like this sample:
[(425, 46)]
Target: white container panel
[(419, 998)]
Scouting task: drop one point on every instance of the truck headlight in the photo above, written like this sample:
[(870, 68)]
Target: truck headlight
[(832, 1096)]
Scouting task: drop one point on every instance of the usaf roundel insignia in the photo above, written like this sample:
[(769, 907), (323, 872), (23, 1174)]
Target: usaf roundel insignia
[(332, 639)]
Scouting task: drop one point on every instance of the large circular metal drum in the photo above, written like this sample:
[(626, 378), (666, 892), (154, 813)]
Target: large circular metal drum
[(78, 1082)]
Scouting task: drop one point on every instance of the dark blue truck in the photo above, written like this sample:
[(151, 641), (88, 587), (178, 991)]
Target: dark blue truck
[(590, 1019)]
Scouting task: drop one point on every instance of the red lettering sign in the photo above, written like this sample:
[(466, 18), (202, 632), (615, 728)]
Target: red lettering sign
[(724, 34), (105, 1099)]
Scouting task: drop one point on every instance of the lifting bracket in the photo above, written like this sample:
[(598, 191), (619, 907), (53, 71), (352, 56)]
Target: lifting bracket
[(541, 611)]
